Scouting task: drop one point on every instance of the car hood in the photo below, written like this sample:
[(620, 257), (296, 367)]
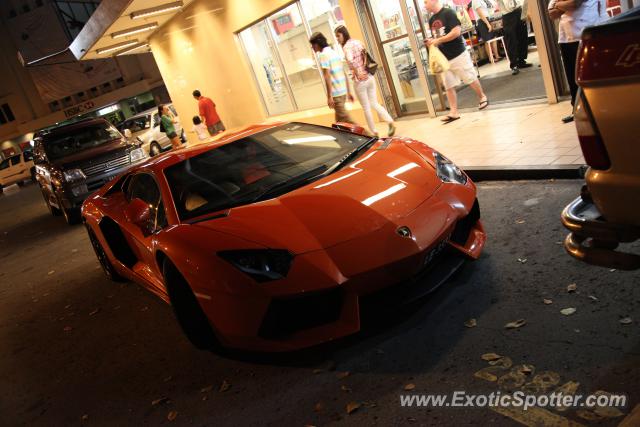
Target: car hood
[(115, 148), (382, 186)]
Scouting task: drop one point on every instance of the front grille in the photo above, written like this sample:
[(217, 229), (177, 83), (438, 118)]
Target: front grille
[(106, 165), (287, 316)]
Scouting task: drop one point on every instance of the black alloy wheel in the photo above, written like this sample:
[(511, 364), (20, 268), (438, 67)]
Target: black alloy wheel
[(103, 259)]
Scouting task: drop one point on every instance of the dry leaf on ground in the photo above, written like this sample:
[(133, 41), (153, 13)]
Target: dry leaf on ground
[(352, 407), (547, 301), (409, 387), (490, 356), (572, 287), (626, 320), (206, 389), (471, 323), (341, 375), (516, 324), (172, 415), (224, 386), (568, 311)]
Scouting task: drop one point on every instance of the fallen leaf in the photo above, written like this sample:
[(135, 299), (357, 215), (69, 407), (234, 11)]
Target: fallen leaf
[(527, 369), (162, 400), (547, 301), (520, 221), (593, 298), (516, 324), (73, 251), (471, 323), (411, 419), (352, 407), (204, 397), (485, 375), (572, 287), (342, 375), (172, 415), (67, 328), (206, 389), (409, 387), (606, 411), (95, 311), (224, 386), (612, 270), (319, 407), (67, 307), (522, 260), (568, 311), (490, 356), (85, 417), (369, 404), (318, 371), (626, 320), (345, 388), (51, 272)]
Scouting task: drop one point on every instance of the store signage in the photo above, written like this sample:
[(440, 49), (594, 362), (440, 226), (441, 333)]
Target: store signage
[(79, 109)]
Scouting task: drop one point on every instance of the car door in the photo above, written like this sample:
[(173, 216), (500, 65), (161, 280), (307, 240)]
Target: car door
[(143, 186), (16, 168), (5, 171)]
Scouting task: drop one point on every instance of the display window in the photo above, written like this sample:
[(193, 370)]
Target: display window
[(284, 67)]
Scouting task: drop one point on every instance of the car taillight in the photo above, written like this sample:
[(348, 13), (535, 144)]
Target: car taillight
[(609, 51), (593, 149)]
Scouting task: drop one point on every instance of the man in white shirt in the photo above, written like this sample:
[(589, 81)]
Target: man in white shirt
[(516, 36), (574, 16)]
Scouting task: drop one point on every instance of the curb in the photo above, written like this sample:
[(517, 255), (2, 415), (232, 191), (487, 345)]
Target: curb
[(517, 173)]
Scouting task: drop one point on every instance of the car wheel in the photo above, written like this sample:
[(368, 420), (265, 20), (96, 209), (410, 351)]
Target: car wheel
[(52, 210), (71, 215), (103, 259), (154, 149), (192, 320)]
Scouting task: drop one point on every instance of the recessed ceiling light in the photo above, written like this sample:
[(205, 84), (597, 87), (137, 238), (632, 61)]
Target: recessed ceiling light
[(114, 47), (134, 30), (132, 48), (164, 8)]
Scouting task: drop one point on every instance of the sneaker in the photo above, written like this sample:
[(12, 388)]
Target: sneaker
[(524, 64), (514, 71), (392, 129), (567, 119)]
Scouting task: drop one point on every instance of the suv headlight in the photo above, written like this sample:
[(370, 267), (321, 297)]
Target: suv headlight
[(137, 154), (263, 265), (74, 175), (447, 171)]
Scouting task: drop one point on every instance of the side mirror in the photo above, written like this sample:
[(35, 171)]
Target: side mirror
[(127, 133), (349, 127), (139, 213)]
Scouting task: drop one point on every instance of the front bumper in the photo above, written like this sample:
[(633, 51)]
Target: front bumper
[(594, 240), (329, 292)]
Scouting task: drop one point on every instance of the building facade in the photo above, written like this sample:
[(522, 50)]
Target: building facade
[(42, 83)]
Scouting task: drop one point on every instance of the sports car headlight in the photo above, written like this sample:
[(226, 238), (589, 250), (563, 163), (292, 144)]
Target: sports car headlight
[(262, 265), (74, 175), (447, 171), (137, 154)]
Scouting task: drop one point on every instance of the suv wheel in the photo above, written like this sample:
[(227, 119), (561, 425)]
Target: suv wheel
[(52, 209), (103, 259), (154, 149)]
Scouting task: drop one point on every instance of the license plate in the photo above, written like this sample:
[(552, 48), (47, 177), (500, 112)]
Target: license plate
[(433, 253)]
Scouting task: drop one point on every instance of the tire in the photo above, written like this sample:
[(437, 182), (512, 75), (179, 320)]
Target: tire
[(154, 149), (191, 318), (103, 259), (52, 210)]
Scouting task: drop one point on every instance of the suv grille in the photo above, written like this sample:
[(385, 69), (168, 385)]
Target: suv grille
[(104, 166)]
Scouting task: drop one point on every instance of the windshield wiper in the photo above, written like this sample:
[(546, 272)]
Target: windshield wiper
[(294, 181), (351, 155)]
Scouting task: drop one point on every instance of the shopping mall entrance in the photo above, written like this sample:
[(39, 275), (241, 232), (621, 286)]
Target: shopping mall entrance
[(398, 29)]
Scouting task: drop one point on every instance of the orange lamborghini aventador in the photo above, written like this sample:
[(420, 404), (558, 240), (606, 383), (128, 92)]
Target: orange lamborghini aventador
[(277, 238)]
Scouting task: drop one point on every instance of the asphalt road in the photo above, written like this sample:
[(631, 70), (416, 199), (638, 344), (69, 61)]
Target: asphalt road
[(78, 349)]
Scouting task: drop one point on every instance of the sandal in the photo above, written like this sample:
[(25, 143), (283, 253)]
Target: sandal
[(448, 119), (483, 104)]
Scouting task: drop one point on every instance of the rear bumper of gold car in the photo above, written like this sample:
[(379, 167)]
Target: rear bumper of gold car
[(594, 240)]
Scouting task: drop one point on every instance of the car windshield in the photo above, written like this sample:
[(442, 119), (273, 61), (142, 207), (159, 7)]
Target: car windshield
[(257, 167), (135, 125), (66, 143), (4, 164)]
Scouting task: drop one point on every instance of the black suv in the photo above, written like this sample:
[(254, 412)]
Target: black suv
[(74, 160)]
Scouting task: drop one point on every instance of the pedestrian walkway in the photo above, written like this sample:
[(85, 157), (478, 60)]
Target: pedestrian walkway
[(530, 135)]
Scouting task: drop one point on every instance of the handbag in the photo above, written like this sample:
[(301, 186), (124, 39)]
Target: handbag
[(370, 64), (438, 63)]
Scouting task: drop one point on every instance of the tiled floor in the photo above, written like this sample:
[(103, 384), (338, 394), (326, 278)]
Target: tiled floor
[(531, 135)]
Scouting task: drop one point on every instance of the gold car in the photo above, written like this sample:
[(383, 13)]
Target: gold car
[(607, 116)]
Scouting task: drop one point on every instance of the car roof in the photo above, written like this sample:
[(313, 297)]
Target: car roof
[(142, 114)]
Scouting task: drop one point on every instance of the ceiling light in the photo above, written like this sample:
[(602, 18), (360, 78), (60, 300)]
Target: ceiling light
[(114, 47), (143, 13), (134, 30), (132, 48)]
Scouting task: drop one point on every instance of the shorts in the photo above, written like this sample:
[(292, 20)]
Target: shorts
[(216, 128), (172, 135), (460, 69)]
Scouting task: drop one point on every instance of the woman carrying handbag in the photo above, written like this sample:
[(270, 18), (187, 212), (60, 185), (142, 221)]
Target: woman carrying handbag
[(362, 69)]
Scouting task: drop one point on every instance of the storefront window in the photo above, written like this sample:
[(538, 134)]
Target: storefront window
[(283, 64), (266, 69), (388, 17)]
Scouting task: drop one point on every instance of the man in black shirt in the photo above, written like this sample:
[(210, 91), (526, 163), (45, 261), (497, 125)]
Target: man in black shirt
[(446, 30)]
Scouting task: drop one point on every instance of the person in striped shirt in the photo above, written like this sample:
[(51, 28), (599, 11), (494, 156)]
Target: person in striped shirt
[(335, 77)]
